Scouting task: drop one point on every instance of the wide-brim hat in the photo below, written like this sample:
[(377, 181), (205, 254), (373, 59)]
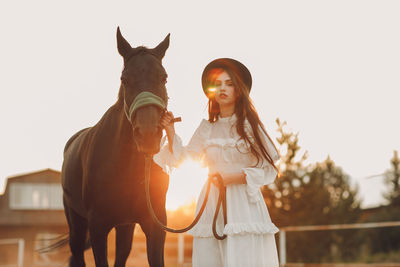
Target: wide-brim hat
[(226, 63)]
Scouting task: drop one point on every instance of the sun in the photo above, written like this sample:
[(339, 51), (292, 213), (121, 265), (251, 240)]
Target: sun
[(185, 184)]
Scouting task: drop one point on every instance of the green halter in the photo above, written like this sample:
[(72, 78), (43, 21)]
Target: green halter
[(143, 99)]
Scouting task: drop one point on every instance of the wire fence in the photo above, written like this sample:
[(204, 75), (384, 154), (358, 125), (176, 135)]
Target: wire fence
[(284, 230), (178, 247)]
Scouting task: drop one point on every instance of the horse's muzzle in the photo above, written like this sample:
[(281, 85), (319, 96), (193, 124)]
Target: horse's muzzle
[(148, 141)]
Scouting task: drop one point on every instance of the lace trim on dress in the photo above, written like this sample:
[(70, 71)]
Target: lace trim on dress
[(227, 142), (251, 228), (205, 230)]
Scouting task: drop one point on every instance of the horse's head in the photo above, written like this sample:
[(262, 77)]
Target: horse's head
[(143, 91)]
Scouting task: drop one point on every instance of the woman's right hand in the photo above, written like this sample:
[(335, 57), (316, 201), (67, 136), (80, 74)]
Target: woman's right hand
[(168, 125)]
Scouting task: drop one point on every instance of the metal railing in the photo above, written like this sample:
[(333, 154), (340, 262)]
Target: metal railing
[(283, 230), (21, 245), (181, 245)]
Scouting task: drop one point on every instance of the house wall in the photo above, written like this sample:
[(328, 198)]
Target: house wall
[(36, 227)]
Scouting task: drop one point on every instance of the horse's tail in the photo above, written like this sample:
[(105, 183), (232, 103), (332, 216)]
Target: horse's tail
[(59, 242)]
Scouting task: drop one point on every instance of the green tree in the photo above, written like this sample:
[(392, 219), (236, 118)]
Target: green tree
[(309, 195), (386, 240), (392, 179), (340, 206), (281, 195)]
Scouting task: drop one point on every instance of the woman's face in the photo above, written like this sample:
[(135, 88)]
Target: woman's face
[(225, 91)]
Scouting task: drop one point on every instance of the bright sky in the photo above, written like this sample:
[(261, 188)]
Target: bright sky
[(329, 68)]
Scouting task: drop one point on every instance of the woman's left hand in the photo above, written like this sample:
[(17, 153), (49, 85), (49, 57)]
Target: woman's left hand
[(215, 180), (230, 178)]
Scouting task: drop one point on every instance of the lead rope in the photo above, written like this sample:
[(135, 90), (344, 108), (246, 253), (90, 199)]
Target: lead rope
[(221, 201)]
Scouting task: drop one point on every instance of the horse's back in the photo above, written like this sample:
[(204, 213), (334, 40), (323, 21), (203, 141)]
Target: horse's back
[(69, 142), (71, 174)]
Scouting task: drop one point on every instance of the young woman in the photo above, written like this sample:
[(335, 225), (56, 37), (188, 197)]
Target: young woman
[(233, 143)]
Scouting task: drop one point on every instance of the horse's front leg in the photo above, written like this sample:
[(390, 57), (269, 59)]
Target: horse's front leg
[(123, 243), (98, 239), (155, 239)]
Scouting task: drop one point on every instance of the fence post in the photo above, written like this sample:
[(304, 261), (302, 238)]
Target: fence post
[(21, 245), (282, 247), (181, 249)]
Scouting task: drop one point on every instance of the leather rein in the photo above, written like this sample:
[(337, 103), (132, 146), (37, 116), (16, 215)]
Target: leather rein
[(221, 202)]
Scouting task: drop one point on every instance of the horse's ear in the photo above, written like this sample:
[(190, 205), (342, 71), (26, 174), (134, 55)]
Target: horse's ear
[(124, 48), (162, 47)]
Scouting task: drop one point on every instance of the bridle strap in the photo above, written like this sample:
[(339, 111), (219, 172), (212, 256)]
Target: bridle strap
[(145, 98)]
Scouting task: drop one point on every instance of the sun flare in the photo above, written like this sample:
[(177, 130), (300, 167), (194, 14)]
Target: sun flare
[(185, 184)]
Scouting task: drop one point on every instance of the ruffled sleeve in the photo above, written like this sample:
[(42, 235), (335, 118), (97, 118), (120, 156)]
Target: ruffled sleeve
[(263, 174), (168, 160), (196, 145), (256, 177)]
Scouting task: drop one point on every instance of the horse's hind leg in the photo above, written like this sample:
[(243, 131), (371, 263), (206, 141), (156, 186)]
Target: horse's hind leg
[(77, 237), (123, 243), (98, 232), (155, 239)]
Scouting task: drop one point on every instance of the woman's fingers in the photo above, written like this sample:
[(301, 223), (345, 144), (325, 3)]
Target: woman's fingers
[(166, 118), (166, 121), (212, 174), (170, 116), (215, 180)]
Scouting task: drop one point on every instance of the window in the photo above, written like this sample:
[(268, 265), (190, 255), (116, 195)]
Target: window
[(36, 196)]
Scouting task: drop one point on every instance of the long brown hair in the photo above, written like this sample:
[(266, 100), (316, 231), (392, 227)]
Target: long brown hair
[(244, 109)]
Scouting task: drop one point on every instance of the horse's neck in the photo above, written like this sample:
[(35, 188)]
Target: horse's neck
[(118, 128)]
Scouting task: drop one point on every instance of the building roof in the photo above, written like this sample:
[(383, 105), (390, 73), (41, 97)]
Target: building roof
[(33, 177), (48, 170), (26, 215)]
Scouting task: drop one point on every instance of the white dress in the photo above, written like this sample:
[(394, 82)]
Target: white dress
[(250, 232)]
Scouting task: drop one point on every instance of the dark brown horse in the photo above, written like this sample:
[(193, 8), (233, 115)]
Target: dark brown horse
[(103, 168)]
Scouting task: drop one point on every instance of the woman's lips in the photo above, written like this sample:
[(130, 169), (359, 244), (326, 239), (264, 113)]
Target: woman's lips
[(223, 96)]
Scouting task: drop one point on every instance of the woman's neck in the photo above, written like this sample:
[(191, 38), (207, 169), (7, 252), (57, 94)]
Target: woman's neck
[(226, 111)]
